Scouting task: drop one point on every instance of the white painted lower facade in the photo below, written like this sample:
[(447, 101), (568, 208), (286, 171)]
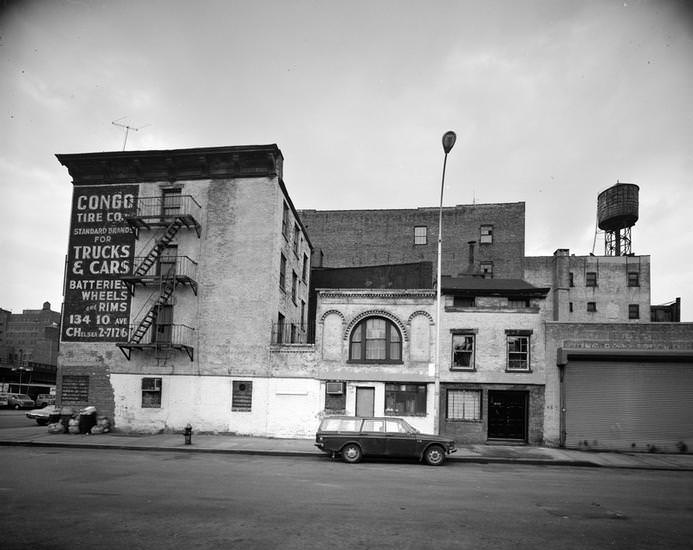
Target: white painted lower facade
[(281, 407)]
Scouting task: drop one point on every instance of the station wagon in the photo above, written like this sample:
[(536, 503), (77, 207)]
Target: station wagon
[(355, 437)]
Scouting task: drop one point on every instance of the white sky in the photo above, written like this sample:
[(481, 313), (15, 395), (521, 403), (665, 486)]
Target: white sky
[(553, 101)]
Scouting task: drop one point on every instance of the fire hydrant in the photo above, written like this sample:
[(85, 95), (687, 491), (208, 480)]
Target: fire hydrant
[(187, 433)]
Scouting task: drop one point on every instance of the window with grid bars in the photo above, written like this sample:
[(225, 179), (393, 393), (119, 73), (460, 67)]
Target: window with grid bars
[(282, 272), (242, 398), (375, 340), (462, 352), (633, 311), (464, 405), (518, 353), (420, 234), (151, 393), (486, 234), (591, 278), (487, 269), (285, 222)]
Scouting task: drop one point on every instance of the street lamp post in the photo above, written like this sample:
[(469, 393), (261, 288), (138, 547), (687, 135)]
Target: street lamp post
[(449, 139)]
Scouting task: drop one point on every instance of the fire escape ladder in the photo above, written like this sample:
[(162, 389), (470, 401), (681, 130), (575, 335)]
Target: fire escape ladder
[(155, 252), (148, 319)]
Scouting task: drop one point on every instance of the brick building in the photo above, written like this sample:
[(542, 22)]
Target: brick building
[(183, 267), (375, 354), (482, 238), (188, 299), (589, 289), (29, 343)]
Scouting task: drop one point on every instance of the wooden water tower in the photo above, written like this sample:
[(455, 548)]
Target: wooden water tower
[(617, 212)]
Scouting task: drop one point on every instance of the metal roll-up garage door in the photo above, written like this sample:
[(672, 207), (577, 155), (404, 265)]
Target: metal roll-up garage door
[(628, 406)]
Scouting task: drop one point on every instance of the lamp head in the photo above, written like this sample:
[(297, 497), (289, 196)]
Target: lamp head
[(449, 139)]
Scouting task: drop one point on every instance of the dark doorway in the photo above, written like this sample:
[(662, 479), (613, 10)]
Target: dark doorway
[(507, 415)]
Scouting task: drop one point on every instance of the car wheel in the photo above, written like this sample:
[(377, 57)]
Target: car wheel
[(434, 455), (351, 453), (42, 422)]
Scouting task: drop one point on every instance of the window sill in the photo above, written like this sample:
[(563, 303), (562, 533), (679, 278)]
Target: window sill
[(462, 421), (462, 369), (519, 370), (384, 362)]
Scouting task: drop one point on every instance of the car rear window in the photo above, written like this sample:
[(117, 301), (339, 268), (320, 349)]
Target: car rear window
[(340, 424)]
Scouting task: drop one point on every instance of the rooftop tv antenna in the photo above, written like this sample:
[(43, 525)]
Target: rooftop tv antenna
[(127, 129)]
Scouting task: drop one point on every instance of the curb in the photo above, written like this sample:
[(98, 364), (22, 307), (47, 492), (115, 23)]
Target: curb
[(313, 454), (267, 452)]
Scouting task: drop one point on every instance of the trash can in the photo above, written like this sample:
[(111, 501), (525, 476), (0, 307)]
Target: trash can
[(87, 419)]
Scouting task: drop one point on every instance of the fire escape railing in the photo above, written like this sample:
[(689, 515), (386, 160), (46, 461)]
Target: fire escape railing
[(161, 211), (153, 328)]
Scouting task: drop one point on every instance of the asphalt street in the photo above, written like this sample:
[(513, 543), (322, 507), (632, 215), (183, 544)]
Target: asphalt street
[(83, 498)]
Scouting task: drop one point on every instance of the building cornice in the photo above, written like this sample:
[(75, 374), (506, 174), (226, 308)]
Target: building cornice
[(245, 161), (375, 293)]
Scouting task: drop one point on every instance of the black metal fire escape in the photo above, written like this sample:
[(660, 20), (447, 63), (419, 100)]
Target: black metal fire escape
[(162, 276)]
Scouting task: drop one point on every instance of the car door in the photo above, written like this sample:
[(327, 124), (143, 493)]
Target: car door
[(372, 438), (399, 440)]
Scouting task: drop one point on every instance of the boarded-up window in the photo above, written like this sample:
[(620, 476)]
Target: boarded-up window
[(75, 389), (242, 398)]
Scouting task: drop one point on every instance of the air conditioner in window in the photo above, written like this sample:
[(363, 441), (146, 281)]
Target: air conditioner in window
[(335, 388)]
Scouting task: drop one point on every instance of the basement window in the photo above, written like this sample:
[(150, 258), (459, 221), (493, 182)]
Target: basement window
[(151, 393)]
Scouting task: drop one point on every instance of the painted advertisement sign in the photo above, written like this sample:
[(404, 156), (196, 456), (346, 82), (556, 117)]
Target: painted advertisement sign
[(101, 250)]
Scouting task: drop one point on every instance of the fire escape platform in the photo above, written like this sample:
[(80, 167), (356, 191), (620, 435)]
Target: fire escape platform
[(138, 222), (153, 280), (127, 347)]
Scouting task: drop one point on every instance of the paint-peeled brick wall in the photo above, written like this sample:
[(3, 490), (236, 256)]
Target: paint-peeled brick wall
[(93, 366)]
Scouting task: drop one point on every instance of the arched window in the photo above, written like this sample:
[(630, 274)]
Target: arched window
[(375, 340)]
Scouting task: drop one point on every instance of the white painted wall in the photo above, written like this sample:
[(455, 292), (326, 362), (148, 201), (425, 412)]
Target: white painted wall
[(281, 407)]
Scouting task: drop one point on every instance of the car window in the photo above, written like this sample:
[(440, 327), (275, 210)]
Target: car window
[(373, 425), (340, 424), (396, 427)]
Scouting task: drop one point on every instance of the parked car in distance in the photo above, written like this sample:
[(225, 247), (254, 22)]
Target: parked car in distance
[(43, 415), (20, 401), (44, 399), (354, 437)]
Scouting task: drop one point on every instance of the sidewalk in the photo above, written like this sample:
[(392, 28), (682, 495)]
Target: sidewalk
[(481, 454)]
